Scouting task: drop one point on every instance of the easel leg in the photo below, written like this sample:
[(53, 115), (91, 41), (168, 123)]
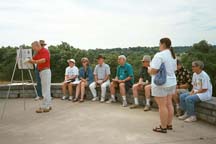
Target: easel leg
[(9, 89), (24, 102), (33, 83)]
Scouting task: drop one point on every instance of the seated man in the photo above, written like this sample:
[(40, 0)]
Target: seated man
[(71, 78), (124, 80), (101, 78), (183, 77), (143, 84), (202, 91)]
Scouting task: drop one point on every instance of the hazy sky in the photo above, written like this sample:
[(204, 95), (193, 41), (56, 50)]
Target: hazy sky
[(107, 23)]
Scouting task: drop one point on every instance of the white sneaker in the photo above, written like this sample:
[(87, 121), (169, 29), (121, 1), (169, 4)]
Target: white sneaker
[(124, 104), (37, 98), (111, 100), (95, 99), (191, 119), (64, 98), (70, 98), (183, 117), (102, 99)]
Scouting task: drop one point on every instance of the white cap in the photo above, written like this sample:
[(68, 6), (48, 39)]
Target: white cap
[(71, 60)]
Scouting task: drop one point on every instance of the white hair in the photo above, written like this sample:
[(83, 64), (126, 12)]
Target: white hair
[(123, 57)]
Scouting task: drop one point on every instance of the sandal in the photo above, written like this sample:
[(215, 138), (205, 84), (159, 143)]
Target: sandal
[(75, 100), (81, 100), (160, 129), (169, 127)]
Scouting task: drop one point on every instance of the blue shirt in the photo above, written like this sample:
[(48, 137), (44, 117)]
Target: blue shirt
[(88, 74), (125, 71)]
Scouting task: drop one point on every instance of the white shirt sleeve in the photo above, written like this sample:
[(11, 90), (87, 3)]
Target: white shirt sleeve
[(108, 70), (156, 62), (66, 71)]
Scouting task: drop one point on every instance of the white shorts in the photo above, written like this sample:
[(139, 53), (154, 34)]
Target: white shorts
[(159, 91)]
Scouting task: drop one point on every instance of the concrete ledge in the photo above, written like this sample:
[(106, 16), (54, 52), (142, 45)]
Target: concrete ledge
[(206, 111)]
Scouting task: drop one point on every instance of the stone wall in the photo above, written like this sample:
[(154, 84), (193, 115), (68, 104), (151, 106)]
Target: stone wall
[(206, 111)]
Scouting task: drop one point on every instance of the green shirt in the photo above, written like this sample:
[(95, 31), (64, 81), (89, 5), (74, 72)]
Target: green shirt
[(125, 71), (144, 74)]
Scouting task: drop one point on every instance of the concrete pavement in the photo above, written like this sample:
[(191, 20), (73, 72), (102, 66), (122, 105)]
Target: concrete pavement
[(93, 123)]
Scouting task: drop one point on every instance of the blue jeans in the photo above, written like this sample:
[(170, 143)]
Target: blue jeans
[(187, 103), (38, 80)]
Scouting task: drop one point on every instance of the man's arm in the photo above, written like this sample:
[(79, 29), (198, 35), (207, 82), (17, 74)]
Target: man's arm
[(43, 60), (125, 80), (183, 86), (106, 78)]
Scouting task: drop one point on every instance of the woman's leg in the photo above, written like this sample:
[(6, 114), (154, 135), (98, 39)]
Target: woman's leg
[(77, 91), (170, 110), (183, 102), (190, 102), (163, 110), (83, 86)]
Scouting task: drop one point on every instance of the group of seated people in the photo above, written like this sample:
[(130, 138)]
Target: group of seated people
[(184, 99)]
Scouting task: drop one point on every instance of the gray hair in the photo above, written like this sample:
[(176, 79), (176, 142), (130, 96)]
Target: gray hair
[(198, 63), (36, 43), (123, 57)]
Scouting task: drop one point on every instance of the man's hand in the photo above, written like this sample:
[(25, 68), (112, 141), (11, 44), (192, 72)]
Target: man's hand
[(99, 82), (192, 93), (31, 61), (121, 81)]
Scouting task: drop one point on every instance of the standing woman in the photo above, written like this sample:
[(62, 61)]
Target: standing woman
[(86, 77), (163, 93)]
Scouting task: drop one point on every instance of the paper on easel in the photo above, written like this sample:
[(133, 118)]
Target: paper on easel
[(23, 55)]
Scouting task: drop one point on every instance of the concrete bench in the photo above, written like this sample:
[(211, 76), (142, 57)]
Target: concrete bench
[(206, 111)]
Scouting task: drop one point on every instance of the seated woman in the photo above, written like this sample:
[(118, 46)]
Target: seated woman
[(86, 77), (202, 91)]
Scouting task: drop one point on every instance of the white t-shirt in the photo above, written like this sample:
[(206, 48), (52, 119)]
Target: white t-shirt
[(170, 64), (202, 81), (71, 71)]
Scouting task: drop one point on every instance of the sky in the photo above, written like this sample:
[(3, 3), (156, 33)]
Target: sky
[(90, 24)]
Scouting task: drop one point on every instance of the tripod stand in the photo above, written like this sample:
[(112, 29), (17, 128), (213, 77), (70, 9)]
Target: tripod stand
[(22, 67)]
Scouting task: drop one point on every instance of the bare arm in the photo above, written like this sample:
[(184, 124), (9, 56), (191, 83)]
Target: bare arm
[(152, 71), (106, 78), (183, 86), (43, 60)]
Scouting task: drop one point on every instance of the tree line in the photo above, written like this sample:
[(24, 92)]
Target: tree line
[(60, 53)]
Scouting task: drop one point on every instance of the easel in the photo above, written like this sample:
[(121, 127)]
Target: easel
[(19, 59)]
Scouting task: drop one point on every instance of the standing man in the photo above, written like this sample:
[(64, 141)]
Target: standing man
[(124, 80), (184, 79), (42, 59), (101, 78), (143, 84), (37, 75)]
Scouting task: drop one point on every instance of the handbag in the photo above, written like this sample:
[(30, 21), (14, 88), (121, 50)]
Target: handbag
[(160, 77)]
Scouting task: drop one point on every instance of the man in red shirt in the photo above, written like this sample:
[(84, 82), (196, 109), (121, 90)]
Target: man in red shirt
[(42, 59)]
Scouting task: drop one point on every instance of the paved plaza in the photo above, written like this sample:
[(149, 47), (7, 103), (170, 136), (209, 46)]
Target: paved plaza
[(93, 123)]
